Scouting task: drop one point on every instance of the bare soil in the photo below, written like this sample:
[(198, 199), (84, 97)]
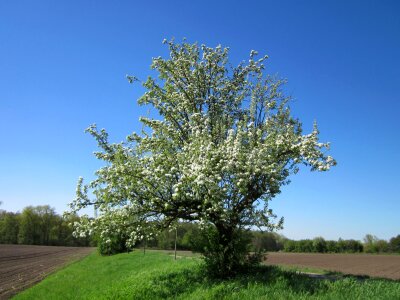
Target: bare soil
[(22, 266), (373, 265)]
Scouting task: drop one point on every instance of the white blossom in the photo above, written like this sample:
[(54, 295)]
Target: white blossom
[(225, 141)]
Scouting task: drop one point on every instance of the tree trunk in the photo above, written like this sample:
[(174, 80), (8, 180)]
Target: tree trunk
[(226, 246), (176, 237)]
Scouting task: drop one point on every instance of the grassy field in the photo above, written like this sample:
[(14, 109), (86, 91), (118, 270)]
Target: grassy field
[(157, 276)]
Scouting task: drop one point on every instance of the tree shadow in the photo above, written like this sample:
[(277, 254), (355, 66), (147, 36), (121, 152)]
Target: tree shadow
[(175, 283), (297, 283), (185, 281)]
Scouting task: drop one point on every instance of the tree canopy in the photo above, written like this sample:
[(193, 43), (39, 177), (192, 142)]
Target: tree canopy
[(222, 146), (39, 225)]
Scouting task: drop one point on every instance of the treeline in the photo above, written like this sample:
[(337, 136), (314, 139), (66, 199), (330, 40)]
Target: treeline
[(38, 225), (370, 244), (41, 225), (320, 245), (189, 237)]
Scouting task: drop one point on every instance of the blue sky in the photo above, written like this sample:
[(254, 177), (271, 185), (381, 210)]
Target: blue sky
[(63, 67)]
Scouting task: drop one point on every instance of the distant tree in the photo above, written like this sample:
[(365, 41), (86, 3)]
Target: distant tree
[(331, 246), (374, 245), (395, 244), (196, 239), (354, 246), (369, 243), (382, 246), (9, 227), (306, 245), (47, 219), (266, 241), (224, 145), (166, 239), (62, 233), (183, 243), (36, 225), (189, 239), (39, 225), (319, 245), (349, 246), (29, 229), (289, 246)]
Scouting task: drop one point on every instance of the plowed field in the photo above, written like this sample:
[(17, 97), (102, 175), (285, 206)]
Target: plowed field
[(385, 266), (22, 266)]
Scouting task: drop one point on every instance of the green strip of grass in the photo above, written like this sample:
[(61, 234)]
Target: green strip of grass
[(157, 276), (299, 269)]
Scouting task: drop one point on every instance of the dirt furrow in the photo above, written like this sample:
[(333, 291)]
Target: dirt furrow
[(22, 266)]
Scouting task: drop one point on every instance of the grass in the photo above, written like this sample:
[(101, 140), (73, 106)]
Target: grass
[(304, 269), (157, 276)]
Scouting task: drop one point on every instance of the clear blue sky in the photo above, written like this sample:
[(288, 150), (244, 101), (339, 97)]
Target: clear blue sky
[(63, 66)]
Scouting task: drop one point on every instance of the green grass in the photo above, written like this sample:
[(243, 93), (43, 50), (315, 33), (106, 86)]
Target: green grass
[(304, 269), (157, 276)]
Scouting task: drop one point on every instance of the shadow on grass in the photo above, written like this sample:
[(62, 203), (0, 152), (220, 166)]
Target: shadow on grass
[(340, 275), (188, 280)]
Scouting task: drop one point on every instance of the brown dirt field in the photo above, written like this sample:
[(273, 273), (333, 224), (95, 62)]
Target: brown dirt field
[(22, 266), (383, 266)]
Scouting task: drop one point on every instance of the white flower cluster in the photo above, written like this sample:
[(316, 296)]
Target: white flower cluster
[(223, 147)]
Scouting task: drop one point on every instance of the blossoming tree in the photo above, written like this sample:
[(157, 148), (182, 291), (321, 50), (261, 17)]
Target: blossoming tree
[(223, 145)]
